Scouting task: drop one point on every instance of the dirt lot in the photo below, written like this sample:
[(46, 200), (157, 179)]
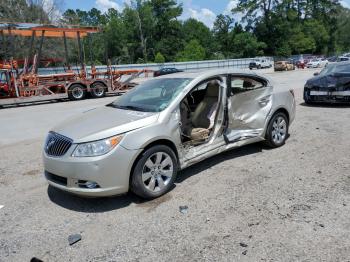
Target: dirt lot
[(250, 204)]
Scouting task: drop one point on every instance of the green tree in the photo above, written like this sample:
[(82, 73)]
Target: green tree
[(159, 59), (222, 33), (245, 44), (167, 30), (196, 30), (193, 52), (343, 29)]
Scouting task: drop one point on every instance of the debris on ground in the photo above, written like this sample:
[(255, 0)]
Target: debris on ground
[(244, 252), (72, 239), (243, 244), (183, 209)]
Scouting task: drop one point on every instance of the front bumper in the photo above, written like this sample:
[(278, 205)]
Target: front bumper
[(328, 96), (110, 172), (280, 68)]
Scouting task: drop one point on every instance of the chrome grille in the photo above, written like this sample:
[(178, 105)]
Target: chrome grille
[(57, 145)]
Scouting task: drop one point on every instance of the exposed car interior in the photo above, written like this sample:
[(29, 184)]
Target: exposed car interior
[(198, 112), (242, 84)]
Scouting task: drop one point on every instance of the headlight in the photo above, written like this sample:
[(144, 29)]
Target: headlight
[(97, 148)]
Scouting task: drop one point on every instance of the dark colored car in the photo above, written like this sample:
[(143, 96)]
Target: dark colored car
[(332, 59), (331, 85), (166, 71)]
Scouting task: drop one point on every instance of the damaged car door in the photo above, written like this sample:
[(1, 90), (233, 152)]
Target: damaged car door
[(248, 106)]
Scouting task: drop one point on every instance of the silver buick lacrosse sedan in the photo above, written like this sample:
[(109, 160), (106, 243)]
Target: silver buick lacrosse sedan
[(141, 140)]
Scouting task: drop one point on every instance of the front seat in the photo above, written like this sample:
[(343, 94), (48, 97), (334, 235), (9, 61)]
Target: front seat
[(201, 116)]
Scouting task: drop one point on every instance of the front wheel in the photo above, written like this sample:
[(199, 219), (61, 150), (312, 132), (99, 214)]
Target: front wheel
[(154, 172), (277, 130)]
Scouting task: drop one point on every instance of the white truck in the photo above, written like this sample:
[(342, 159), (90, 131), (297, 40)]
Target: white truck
[(260, 63)]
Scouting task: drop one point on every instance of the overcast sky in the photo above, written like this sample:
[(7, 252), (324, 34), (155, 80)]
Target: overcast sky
[(202, 10)]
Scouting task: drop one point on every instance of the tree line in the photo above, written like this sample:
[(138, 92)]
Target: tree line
[(152, 31)]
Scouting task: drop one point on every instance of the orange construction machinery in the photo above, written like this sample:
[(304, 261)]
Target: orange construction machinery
[(23, 84)]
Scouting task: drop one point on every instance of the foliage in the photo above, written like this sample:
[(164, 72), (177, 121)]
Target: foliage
[(159, 59), (193, 51)]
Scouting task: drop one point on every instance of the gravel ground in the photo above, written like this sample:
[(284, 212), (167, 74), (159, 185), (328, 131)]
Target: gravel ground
[(250, 204)]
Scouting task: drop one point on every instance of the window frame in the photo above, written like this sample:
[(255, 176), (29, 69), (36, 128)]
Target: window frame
[(230, 91)]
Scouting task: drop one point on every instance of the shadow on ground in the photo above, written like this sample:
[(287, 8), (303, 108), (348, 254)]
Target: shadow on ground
[(99, 205)]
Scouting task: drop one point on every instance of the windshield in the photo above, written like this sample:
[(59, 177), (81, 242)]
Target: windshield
[(152, 96), (328, 70)]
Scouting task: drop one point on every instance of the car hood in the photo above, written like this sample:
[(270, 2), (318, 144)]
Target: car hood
[(103, 122)]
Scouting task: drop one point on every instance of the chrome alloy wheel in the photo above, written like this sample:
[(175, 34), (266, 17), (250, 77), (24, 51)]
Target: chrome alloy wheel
[(77, 92), (99, 90), (279, 130), (157, 171)]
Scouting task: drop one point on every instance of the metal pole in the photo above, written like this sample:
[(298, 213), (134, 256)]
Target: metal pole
[(90, 50), (13, 44), (40, 49), (3, 43), (66, 49), (30, 51), (80, 49)]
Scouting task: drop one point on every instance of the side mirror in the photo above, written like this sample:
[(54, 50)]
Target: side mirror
[(316, 73)]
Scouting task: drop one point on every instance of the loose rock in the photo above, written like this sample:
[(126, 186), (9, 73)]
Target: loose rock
[(243, 244), (183, 209), (72, 239)]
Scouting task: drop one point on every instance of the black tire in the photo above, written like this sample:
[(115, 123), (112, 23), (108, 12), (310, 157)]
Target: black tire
[(307, 98), (139, 187), (76, 92), (270, 139), (98, 90), (259, 66)]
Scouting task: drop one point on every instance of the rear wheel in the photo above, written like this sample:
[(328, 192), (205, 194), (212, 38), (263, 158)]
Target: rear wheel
[(277, 130), (154, 173), (76, 92), (98, 90)]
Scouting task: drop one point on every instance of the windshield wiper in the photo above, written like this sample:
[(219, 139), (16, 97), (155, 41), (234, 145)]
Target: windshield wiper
[(133, 108)]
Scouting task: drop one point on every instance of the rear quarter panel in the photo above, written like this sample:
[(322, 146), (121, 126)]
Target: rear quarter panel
[(282, 100)]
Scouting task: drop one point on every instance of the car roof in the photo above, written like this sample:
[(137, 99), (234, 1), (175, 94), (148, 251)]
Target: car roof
[(205, 74)]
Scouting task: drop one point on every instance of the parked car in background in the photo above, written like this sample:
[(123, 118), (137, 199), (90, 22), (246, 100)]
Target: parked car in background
[(284, 65), (332, 59), (317, 62), (300, 63), (332, 84), (166, 71), (142, 139), (260, 63), (343, 59)]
